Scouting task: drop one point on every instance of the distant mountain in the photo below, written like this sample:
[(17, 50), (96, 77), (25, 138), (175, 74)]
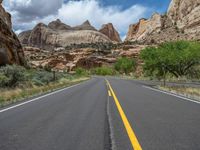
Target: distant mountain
[(58, 34), (85, 26), (58, 25), (10, 48), (181, 22)]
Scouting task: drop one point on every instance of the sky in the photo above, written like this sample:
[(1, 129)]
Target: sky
[(27, 13)]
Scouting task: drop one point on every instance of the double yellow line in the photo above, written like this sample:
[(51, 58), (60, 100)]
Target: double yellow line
[(133, 139)]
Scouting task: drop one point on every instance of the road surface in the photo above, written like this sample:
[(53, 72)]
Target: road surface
[(101, 114)]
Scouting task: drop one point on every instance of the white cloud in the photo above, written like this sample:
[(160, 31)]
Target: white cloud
[(75, 12), (27, 13), (33, 9)]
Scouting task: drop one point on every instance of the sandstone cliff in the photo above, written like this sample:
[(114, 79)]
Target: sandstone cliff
[(111, 32), (10, 48), (57, 34), (62, 60), (182, 22), (185, 14)]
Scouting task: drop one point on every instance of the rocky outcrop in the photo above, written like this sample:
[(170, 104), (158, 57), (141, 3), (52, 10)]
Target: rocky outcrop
[(62, 60), (111, 32), (140, 30), (10, 48), (24, 37), (57, 34), (185, 15), (182, 22)]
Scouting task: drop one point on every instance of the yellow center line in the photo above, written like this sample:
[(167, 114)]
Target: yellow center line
[(109, 93), (134, 141)]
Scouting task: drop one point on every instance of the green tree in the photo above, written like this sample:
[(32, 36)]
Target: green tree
[(176, 58), (125, 65)]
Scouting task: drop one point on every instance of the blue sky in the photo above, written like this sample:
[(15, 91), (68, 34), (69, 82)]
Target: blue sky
[(122, 13), (160, 5)]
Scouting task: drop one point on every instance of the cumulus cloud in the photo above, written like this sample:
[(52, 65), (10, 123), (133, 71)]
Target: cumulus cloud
[(27, 13), (75, 12), (28, 10)]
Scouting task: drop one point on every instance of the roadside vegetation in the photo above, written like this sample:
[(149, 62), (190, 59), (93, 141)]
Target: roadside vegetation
[(123, 66), (17, 83), (170, 61), (180, 59), (177, 61), (189, 92)]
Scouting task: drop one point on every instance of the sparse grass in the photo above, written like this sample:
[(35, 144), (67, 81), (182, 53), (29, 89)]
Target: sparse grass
[(189, 92), (12, 95)]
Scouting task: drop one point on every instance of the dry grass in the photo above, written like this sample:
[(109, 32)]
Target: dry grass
[(186, 91), (8, 96)]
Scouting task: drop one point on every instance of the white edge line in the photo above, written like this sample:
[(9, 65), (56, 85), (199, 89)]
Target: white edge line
[(38, 98), (169, 93)]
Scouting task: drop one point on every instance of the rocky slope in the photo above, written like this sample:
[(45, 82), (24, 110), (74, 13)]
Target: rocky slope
[(62, 60), (185, 14), (57, 34), (111, 32), (182, 22), (10, 48)]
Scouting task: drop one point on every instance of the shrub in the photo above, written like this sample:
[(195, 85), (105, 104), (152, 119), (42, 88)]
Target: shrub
[(11, 76), (125, 65), (81, 72), (103, 71), (43, 78)]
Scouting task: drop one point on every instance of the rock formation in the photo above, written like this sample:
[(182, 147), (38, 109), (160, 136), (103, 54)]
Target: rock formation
[(185, 14), (58, 25), (57, 34), (85, 26), (144, 27), (10, 48), (62, 60), (110, 32), (182, 22)]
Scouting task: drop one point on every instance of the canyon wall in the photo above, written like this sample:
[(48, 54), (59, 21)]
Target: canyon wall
[(11, 51)]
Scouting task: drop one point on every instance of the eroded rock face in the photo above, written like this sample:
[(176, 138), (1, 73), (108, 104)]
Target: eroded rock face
[(57, 34), (10, 48), (87, 58), (111, 32), (185, 14), (182, 22), (24, 37), (139, 31)]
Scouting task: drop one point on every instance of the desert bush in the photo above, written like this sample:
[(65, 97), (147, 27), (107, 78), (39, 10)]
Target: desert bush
[(42, 78), (11, 76), (81, 72), (125, 65), (103, 71)]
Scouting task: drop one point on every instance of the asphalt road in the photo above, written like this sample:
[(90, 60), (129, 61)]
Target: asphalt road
[(96, 115)]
